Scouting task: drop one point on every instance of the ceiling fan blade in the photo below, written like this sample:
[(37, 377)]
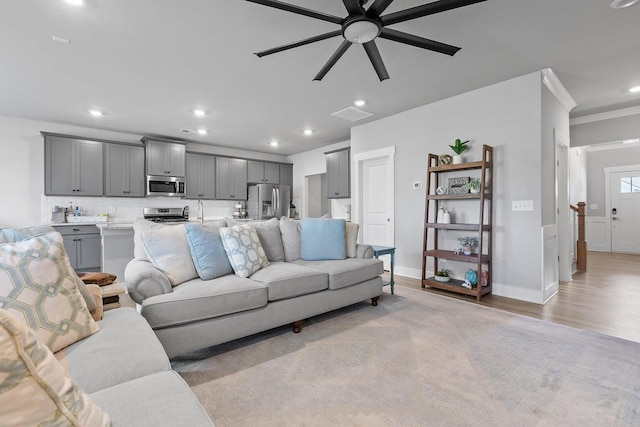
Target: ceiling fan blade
[(299, 43), (376, 60), (332, 61), (424, 10), (299, 10), (379, 7), (353, 6), (413, 40)]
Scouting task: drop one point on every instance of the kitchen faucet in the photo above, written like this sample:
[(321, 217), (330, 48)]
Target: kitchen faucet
[(200, 210)]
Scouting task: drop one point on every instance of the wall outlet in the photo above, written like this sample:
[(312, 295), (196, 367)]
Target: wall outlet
[(417, 185), (522, 205)]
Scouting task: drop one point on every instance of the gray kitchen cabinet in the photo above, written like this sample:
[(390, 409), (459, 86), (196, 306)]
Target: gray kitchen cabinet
[(231, 179), (83, 245), (263, 172), (338, 174), (165, 158), (286, 175), (72, 167), (201, 176), (124, 170)]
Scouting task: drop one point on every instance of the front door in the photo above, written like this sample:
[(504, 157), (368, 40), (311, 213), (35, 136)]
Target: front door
[(624, 194)]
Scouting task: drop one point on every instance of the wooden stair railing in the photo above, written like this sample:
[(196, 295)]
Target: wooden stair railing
[(581, 243)]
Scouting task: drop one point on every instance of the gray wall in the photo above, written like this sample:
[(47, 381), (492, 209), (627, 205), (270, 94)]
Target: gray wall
[(506, 116), (596, 162), (597, 132)]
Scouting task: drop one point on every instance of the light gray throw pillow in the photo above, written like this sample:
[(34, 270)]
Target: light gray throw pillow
[(290, 233), (269, 234)]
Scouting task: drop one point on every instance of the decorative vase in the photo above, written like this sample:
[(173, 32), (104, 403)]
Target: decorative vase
[(446, 218), (474, 190), (457, 159), (440, 218), (466, 250)]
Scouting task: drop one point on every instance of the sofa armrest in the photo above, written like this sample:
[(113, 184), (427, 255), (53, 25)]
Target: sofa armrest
[(144, 280), (96, 293), (364, 251)]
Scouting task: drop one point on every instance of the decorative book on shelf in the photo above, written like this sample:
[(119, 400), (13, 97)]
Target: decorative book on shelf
[(446, 187)]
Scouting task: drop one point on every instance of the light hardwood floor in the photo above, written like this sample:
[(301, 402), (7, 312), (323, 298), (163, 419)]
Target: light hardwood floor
[(606, 299)]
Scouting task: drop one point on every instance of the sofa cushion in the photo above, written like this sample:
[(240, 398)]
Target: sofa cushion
[(34, 389), (126, 348), (244, 250), (286, 280), (322, 238), (347, 272), (140, 225), (38, 286), (352, 239), (207, 251), (162, 399), (169, 252), (203, 299), (269, 234), (290, 233)]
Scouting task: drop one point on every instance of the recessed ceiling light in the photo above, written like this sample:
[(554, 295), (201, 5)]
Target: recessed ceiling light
[(75, 2), (621, 4), (199, 113), (359, 102), (273, 143), (203, 131), (308, 132), (60, 40), (635, 89), (95, 113)]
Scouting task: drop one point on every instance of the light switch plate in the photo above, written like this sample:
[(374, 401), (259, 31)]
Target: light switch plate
[(593, 206), (522, 205)]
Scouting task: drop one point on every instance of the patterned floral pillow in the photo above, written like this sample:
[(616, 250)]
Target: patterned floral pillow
[(243, 248), (34, 389), (37, 286)]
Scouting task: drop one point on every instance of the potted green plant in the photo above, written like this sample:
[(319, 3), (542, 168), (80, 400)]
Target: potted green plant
[(473, 186), (468, 243), (458, 147), (442, 276)]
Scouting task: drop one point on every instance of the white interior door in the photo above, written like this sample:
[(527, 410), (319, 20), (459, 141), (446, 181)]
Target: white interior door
[(377, 202), (624, 194), (565, 242)]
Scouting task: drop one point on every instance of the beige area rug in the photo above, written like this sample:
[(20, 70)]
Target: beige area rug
[(419, 359)]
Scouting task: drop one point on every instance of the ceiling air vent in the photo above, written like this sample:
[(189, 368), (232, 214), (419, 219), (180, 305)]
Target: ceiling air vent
[(352, 114)]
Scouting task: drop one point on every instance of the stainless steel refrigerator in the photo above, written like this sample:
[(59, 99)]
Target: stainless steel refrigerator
[(268, 201)]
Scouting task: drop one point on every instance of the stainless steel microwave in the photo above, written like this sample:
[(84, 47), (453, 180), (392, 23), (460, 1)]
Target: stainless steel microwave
[(165, 186)]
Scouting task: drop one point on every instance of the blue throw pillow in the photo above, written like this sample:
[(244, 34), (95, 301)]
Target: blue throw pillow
[(207, 252), (322, 238)]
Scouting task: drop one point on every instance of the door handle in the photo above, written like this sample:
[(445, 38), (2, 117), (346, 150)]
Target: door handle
[(614, 218)]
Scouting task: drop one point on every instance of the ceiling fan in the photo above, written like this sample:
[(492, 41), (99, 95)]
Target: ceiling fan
[(363, 26)]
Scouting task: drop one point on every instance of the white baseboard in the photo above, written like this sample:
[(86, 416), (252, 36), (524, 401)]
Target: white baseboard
[(514, 292)]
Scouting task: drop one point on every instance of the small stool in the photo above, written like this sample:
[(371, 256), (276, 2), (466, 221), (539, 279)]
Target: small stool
[(386, 250)]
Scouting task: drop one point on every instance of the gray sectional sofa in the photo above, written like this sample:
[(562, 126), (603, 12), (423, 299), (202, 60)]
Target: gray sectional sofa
[(127, 373), (199, 313)]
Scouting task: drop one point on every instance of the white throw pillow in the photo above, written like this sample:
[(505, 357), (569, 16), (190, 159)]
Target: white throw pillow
[(244, 250), (34, 389), (140, 225), (352, 238), (168, 251), (38, 287)]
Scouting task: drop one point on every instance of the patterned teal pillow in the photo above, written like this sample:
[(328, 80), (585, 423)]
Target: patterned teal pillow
[(244, 250), (38, 286)]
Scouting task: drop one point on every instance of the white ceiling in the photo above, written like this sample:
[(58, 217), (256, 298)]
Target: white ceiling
[(148, 63)]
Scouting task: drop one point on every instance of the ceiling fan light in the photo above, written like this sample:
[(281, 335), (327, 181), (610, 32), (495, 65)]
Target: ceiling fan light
[(361, 31), (621, 4)]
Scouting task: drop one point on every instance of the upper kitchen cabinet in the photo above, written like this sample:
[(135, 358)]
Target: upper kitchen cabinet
[(72, 166), (286, 175), (231, 179), (165, 158), (201, 176), (124, 170), (338, 185), (263, 172)]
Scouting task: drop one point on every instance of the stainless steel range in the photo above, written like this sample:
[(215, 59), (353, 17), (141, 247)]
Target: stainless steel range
[(166, 214)]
